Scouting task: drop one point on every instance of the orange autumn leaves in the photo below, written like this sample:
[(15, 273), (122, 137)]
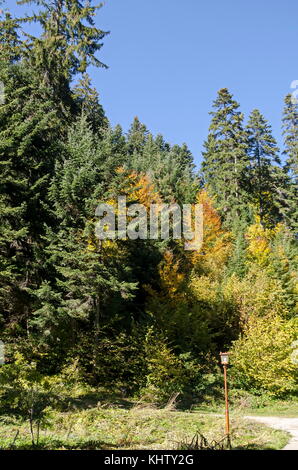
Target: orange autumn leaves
[(216, 241)]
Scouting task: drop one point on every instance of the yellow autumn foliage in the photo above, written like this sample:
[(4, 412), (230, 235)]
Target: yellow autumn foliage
[(139, 188), (171, 278), (216, 241), (262, 358), (256, 294), (259, 239)]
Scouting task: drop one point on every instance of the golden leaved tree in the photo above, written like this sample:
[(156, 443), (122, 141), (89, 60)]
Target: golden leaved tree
[(262, 357)]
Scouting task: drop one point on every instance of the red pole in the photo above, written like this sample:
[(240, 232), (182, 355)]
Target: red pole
[(226, 400)]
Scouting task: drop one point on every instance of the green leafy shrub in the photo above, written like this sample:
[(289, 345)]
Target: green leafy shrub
[(27, 393), (262, 356), (165, 372)]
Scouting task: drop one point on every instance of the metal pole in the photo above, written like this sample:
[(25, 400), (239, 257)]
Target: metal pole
[(227, 401)]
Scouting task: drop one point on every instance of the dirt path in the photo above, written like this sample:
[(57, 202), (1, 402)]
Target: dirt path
[(285, 424)]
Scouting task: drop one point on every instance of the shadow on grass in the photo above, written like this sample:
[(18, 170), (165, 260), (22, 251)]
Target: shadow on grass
[(57, 444), (92, 399)]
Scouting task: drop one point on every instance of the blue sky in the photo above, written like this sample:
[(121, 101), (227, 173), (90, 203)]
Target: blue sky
[(168, 58)]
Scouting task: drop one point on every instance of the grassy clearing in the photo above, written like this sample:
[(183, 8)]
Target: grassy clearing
[(279, 408), (251, 405), (136, 428)]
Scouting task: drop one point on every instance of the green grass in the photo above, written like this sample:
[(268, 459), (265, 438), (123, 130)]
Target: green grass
[(246, 404), (286, 409), (136, 428), (96, 419)]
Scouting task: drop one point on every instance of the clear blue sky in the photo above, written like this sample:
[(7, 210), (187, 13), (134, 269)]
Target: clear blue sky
[(168, 58)]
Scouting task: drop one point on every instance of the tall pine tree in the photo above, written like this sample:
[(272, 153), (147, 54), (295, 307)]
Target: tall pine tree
[(290, 132), (225, 157), (36, 73), (266, 178)]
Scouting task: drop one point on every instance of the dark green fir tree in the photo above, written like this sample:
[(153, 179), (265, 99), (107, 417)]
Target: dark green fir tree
[(266, 178), (225, 158), (290, 132)]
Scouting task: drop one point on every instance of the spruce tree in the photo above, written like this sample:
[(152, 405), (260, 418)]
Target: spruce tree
[(111, 155), (184, 157), (87, 278), (283, 266), (36, 73), (66, 47), (145, 155), (266, 178), (290, 132), (10, 44), (87, 98), (136, 137), (225, 158), (28, 145)]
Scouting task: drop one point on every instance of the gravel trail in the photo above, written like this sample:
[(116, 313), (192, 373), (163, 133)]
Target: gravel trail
[(285, 424)]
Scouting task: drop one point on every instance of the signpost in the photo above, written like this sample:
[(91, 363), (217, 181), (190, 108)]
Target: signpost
[(224, 358), (2, 357)]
